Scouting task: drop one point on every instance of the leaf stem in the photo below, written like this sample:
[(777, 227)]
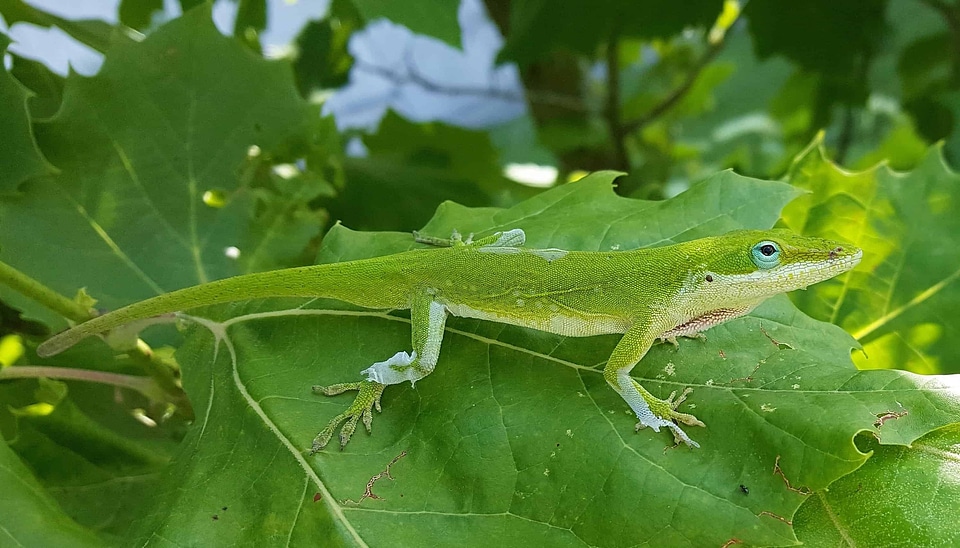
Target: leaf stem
[(28, 287), (145, 385), (165, 373)]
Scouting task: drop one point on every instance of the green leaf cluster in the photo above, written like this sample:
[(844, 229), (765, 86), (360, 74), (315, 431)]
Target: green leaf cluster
[(190, 157)]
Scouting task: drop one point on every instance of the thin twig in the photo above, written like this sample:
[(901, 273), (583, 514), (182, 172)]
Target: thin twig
[(145, 385), (676, 95)]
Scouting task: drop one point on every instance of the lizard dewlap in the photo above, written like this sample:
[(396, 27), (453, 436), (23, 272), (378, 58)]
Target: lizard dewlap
[(645, 294)]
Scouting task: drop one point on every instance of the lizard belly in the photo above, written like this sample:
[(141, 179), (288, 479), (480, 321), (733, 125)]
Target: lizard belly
[(569, 325)]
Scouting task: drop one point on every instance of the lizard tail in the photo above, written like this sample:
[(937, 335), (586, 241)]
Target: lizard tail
[(342, 281)]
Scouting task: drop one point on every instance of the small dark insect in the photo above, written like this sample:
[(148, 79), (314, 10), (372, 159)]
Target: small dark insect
[(215, 517), (744, 489), (224, 508)]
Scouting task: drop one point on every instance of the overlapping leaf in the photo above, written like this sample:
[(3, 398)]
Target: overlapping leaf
[(139, 146), (30, 515), (19, 157)]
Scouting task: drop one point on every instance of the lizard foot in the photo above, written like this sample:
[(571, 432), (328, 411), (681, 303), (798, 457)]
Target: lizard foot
[(368, 397), (666, 412)]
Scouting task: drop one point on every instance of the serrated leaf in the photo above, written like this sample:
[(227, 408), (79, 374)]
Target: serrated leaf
[(94, 33), (138, 14), (516, 437), (138, 145), (901, 302), (19, 157), (901, 493), (46, 85)]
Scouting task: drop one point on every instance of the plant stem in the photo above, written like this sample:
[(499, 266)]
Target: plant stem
[(145, 385), (164, 372), (28, 287)]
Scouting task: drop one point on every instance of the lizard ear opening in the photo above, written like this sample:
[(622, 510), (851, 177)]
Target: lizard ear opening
[(765, 254)]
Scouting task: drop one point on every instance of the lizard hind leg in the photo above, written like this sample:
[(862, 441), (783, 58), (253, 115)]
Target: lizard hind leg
[(427, 318)]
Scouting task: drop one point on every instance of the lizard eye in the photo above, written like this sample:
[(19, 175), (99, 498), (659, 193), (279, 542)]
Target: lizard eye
[(766, 254)]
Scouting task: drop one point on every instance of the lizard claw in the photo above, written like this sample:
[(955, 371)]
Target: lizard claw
[(666, 411), (368, 397)]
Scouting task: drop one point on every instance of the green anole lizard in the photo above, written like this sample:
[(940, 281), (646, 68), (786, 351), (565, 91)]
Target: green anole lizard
[(645, 294)]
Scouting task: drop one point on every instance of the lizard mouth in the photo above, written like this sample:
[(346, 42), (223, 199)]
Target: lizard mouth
[(762, 284)]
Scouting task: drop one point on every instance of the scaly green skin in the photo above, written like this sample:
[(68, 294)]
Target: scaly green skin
[(646, 294)]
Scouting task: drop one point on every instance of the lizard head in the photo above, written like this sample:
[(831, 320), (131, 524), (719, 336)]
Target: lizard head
[(756, 264)]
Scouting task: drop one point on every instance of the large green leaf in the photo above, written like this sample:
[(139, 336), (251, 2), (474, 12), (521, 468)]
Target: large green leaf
[(901, 302), (19, 157), (96, 460), (139, 146), (516, 437), (31, 517), (901, 493)]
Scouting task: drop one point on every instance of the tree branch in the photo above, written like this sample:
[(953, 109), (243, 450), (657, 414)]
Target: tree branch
[(413, 76), (716, 46), (617, 131)]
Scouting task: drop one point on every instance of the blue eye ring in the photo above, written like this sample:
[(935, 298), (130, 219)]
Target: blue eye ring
[(766, 254)]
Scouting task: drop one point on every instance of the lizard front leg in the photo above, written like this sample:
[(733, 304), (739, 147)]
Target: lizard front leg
[(651, 411), (427, 318)]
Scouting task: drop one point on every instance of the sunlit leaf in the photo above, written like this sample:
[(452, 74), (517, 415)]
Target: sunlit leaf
[(901, 302), (900, 494)]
